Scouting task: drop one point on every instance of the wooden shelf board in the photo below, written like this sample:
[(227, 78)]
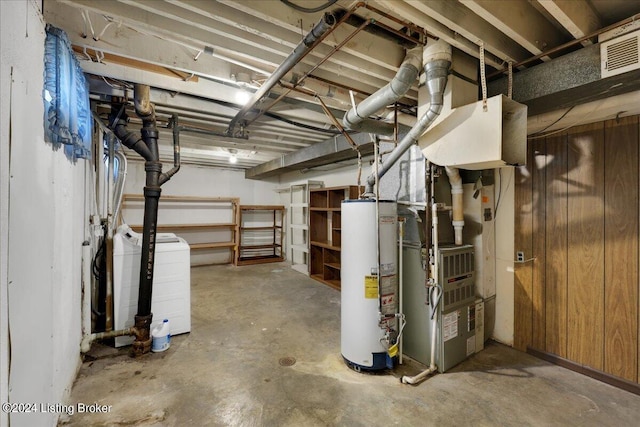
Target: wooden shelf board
[(259, 259), (262, 207), (169, 227), (186, 198), (268, 246), (325, 245), (216, 245), (334, 265), (317, 209), (263, 227)]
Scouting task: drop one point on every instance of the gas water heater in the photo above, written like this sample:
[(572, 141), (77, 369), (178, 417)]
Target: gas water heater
[(369, 290)]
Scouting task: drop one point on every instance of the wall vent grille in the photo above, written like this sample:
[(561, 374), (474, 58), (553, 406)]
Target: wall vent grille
[(621, 54)]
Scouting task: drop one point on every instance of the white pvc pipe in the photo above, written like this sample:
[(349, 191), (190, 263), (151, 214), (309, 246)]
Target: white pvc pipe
[(456, 201), (400, 285), (87, 340), (86, 290), (434, 322), (434, 224)]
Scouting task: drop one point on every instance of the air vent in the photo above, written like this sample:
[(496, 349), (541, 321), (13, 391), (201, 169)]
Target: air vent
[(620, 55)]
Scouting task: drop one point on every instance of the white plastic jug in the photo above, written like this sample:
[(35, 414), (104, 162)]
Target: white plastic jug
[(161, 337)]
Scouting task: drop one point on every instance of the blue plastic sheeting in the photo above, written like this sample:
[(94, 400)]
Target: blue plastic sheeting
[(67, 111)]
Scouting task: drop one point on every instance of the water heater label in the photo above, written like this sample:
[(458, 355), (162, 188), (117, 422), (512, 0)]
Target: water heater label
[(371, 287), (388, 219), (450, 325)]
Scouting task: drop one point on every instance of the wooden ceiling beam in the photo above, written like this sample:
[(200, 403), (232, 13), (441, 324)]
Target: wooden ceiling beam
[(576, 16), (520, 21)]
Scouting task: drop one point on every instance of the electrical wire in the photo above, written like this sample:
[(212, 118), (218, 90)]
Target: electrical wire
[(555, 121), (434, 305), (308, 10), (495, 208)]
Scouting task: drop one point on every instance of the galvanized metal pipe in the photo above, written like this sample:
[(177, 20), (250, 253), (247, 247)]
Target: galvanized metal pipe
[(357, 118), (314, 37), (437, 69)]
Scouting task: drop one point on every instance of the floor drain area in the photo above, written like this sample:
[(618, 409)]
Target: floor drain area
[(287, 361)]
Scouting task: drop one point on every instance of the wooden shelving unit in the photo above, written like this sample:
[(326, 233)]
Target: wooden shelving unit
[(298, 235), (181, 229), (260, 234), (325, 232)]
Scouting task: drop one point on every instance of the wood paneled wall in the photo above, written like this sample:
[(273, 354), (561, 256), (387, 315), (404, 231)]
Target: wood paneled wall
[(577, 221)]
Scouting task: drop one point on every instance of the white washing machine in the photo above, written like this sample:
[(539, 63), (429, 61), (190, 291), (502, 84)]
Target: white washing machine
[(171, 297)]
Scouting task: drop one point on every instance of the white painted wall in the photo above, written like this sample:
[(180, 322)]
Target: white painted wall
[(5, 90), (202, 182), (46, 229)]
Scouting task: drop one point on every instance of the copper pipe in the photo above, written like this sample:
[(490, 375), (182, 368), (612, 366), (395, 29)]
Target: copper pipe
[(411, 25), (398, 33), (568, 44), (337, 123), (308, 73)]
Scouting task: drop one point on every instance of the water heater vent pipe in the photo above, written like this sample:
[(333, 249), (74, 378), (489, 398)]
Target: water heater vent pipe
[(357, 118), (438, 60)]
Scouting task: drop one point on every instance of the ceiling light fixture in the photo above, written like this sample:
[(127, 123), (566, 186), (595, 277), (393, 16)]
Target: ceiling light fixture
[(233, 158), (242, 96)]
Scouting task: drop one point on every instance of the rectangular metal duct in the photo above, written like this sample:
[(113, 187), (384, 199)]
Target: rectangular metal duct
[(471, 138)]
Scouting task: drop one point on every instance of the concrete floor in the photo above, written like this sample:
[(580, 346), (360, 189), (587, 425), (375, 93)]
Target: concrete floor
[(226, 372)]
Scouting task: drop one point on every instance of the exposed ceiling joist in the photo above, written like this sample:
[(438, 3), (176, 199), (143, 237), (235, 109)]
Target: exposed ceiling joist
[(520, 21), (463, 21), (274, 24), (576, 16), (407, 11)]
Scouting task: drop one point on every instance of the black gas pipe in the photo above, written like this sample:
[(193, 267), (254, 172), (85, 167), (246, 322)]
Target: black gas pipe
[(147, 147)]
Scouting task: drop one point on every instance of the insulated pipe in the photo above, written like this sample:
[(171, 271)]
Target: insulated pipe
[(357, 118), (308, 43), (438, 61), (456, 201)]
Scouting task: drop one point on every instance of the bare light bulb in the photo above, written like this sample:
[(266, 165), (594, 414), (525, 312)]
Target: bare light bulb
[(233, 159), (242, 96)]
